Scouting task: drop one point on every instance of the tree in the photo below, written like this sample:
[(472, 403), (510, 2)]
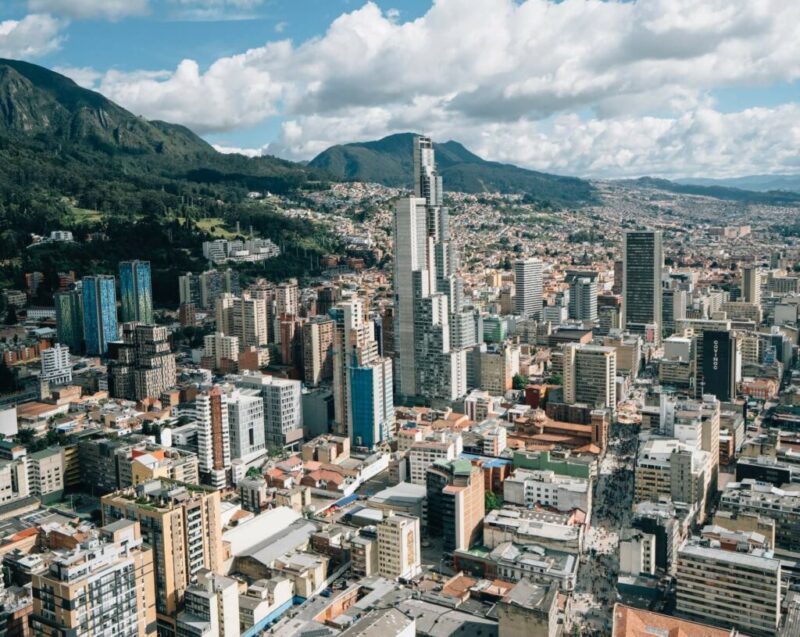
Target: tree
[(491, 501), (11, 316), (519, 381)]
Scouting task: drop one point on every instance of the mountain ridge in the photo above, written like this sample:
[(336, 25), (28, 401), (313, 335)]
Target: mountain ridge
[(389, 161)]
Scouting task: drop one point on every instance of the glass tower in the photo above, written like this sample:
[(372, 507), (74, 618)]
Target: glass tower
[(69, 319), (136, 292), (99, 313)]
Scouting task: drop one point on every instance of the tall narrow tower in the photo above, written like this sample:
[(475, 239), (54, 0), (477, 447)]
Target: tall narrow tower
[(430, 363), (643, 262)]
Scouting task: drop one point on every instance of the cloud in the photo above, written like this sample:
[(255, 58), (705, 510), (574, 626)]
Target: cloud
[(215, 10), (33, 36), (84, 76), (639, 73), (87, 9), (233, 150), (280, 27)]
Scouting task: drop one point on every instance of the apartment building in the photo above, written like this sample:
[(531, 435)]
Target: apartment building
[(729, 588), (103, 588), (546, 488), (181, 523), (456, 503)]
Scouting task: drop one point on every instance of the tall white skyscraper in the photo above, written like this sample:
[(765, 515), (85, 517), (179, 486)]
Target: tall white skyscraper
[(528, 278), (428, 293)]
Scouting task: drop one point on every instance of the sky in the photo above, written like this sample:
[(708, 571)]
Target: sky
[(594, 88)]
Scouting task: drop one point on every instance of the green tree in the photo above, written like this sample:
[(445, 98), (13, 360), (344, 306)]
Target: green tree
[(519, 381), (491, 501)]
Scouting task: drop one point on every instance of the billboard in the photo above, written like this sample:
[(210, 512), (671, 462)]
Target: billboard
[(719, 364)]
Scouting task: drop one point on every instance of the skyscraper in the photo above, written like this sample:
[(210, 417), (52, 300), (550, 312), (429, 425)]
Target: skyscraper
[(751, 285), (528, 279), (136, 292), (643, 262), (142, 365), (456, 504), (213, 437), (427, 291), (582, 295), (99, 313), (590, 373), (69, 319)]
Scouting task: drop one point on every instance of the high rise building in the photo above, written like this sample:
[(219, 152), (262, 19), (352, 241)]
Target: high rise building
[(456, 503), (590, 373), (136, 292), (751, 285), (182, 526), (243, 317), (371, 416), (142, 365), (528, 280), (56, 365), (203, 289), (721, 364), (582, 295), (221, 351), (318, 339), (673, 308), (69, 319), (643, 262), (99, 313), (399, 555), (428, 293), (213, 437), (283, 410), (104, 586), (246, 424)]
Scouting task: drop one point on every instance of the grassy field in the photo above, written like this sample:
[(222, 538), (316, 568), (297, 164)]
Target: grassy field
[(84, 215), (215, 226)]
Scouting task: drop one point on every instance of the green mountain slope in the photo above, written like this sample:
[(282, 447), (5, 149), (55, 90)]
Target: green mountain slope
[(771, 198), (389, 161)]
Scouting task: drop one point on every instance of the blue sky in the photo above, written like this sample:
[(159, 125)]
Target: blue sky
[(588, 87)]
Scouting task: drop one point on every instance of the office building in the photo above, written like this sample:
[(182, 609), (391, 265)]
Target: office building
[(765, 500), (528, 281), (529, 609), (135, 292), (582, 295), (46, 474), (283, 411), (104, 586), (548, 489), (142, 365), (643, 262), (751, 285), (56, 365), (99, 313), (729, 588), (205, 288), (721, 364), (371, 416), (590, 373), (182, 526), (456, 503), (428, 293), (246, 424), (673, 308), (244, 317), (399, 555), (69, 319), (213, 438)]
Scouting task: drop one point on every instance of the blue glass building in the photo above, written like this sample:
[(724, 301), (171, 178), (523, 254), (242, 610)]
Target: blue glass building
[(99, 313), (371, 402), (69, 319), (136, 292)]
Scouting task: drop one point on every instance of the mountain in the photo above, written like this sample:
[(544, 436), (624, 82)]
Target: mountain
[(770, 198), (66, 131), (759, 183), (389, 161)]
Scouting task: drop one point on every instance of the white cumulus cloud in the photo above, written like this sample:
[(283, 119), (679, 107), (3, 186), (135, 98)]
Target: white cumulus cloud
[(31, 37), (581, 86)]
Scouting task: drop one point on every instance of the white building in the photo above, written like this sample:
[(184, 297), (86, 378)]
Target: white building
[(424, 453), (246, 424), (283, 411), (211, 607), (56, 365), (218, 346), (213, 437), (528, 279), (590, 373), (547, 488)]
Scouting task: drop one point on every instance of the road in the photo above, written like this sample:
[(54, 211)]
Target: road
[(595, 589)]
